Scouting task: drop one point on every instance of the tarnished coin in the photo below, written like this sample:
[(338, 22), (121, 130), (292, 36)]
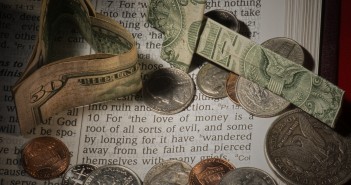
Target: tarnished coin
[(287, 48), (247, 175), (302, 150), (225, 18), (45, 158), (232, 79), (113, 174), (209, 171), (77, 174), (211, 80), (259, 101), (168, 172), (168, 91)]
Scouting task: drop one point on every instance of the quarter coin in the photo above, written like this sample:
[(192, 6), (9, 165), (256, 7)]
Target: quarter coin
[(45, 158), (168, 172), (168, 91), (247, 175)]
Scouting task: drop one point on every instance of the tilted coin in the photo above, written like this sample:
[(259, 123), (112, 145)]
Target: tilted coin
[(287, 48), (259, 101), (45, 158), (77, 174), (225, 18), (168, 172), (211, 80), (113, 174), (247, 175), (168, 91), (209, 171), (232, 79), (302, 150)]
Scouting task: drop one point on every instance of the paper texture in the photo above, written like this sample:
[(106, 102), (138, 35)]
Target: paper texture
[(124, 131)]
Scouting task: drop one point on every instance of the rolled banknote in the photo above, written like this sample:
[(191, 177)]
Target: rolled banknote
[(49, 86), (304, 89)]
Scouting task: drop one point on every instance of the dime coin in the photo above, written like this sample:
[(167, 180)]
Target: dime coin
[(287, 48), (247, 175), (231, 87), (259, 101), (211, 80), (209, 171), (225, 18), (168, 91), (45, 158), (302, 150), (113, 174), (77, 174), (168, 172)]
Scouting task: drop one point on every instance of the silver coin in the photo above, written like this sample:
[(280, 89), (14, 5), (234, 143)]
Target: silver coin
[(211, 81), (259, 101), (225, 18), (302, 150), (168, 172), (287, 48), (113, 174), (247, 175), (77, 174), (168, 91)]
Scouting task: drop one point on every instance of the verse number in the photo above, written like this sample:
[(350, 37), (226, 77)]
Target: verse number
[(251, 23), (94, 117), (109, 3)]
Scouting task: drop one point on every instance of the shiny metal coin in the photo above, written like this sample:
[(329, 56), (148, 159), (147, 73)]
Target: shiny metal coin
[(211, 80), (232, 79), (45, 158), (113, 174), (77, 174), (287, 48), (168, 172), (168, 91), (302, 150), (259, 101), (209, 171), (225, 18), (247, 175)]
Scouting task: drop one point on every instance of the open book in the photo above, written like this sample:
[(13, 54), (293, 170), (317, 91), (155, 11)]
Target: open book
[(125, 131)]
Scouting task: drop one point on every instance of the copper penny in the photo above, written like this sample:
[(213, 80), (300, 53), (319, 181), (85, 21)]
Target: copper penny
[(45, 158), (231, 87), (209, 171)]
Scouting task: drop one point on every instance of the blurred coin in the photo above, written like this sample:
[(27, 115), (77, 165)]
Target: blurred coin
[(77, 174), (232, 79), (45, 158), (259, 101), (168, 91), (302, 150), (168, 172), (247, 175), (287, 48), (112, 174), (225, 18), (211, 80), (209, 171)]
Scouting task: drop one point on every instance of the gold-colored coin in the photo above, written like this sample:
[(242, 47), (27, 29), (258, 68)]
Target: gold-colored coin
[(45, 158)]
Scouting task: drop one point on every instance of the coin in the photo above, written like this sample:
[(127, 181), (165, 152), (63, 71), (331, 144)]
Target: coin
[(225, 18), (232, 79), (209, 171), (45, 158), (211, 81), (259, 101), (168, 172), (247, 175), (287, 48), (168, 91), (112, 174), (77, 174), (302, 150)]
